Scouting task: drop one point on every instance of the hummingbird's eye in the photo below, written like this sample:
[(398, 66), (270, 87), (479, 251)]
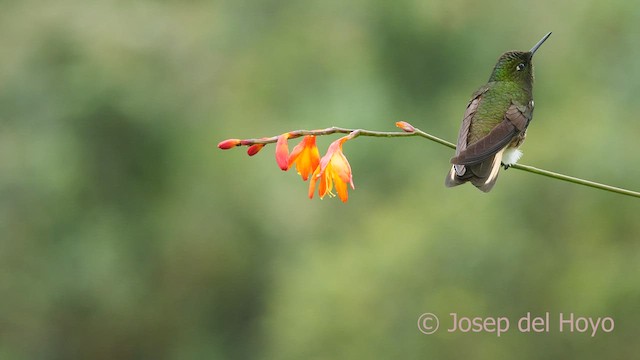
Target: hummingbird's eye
[(520, 66)]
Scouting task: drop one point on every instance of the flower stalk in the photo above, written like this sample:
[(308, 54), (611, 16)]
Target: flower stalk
[(328, 178)]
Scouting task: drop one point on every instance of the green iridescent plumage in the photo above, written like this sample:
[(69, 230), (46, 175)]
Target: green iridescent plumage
[(495, 122)]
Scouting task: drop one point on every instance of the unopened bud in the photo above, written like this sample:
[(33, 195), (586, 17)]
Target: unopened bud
[(254, 149), (282, 152), (405, 126), (228, 144)]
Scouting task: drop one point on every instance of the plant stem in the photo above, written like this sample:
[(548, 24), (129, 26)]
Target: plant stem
[(417, 132), (576, 180)]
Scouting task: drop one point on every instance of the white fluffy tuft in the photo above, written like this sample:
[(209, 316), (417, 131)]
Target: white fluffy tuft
[(511, 156)]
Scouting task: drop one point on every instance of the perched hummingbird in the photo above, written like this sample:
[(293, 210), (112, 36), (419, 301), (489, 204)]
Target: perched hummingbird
[(495, 123)]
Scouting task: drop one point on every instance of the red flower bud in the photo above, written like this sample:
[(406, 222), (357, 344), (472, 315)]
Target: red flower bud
[(228, 144), (282, 152), (254, 149)]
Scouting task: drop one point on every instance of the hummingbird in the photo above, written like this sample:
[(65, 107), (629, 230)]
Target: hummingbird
[(495, 122)]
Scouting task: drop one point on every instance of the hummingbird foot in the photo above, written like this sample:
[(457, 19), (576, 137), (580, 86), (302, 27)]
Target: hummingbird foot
[(506, 166)]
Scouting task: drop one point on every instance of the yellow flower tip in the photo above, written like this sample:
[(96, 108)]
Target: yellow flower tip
[(305, 156), (405, 126), (282, 152), (254, 149), (228, 144)]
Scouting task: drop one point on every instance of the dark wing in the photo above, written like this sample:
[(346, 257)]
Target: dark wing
[(515, 121), (472, 107)]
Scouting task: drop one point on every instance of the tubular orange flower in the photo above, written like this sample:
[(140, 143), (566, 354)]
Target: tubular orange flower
[(282, 152), (334, 169), (306, 156)]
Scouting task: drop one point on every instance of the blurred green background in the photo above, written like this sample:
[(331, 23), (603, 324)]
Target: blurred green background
[(126, 234)]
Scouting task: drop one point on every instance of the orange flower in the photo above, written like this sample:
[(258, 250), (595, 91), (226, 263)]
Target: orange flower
[(306, 156), (282, 152), (334, 169)]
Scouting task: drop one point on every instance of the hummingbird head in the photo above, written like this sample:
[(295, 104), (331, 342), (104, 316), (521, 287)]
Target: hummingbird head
[(516, 66)]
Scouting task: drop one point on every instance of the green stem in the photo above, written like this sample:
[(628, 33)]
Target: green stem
[(576, 180)]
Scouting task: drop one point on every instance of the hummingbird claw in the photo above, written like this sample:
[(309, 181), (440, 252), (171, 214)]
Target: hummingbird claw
[(506, 167)]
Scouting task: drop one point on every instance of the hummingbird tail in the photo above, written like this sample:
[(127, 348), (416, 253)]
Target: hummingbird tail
[(482, 175), (453, 179)]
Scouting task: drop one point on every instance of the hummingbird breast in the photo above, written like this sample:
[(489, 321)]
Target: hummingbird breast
[(493, 106)]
